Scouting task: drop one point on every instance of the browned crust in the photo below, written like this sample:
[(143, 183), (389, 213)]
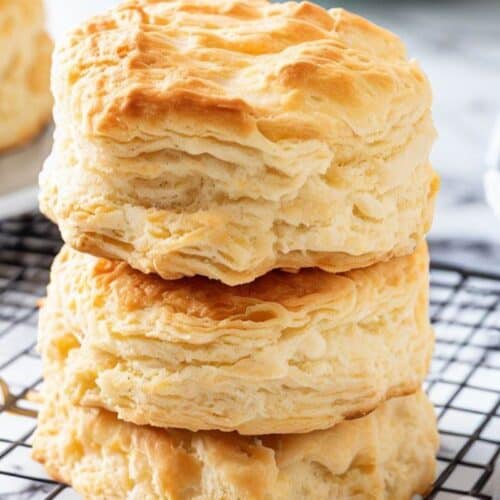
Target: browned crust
[(141, 38), (203, 297)]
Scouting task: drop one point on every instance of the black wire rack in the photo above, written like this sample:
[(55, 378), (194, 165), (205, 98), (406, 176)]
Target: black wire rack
[(464, 383)]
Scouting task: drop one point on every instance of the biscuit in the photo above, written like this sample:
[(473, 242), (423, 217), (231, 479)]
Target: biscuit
[(230, 138), (25, 98), (388, 454), (286, 353)]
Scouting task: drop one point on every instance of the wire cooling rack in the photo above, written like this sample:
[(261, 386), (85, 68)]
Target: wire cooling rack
[(464, 383)]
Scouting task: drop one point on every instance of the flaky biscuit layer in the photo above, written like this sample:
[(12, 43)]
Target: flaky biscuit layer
[(25, 98), (230, 138), (388, 454), (286, 353)]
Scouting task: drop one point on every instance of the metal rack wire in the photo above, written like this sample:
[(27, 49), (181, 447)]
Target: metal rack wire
[(464, 383)]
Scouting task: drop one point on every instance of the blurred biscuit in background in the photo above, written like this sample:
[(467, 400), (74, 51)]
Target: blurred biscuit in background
[(26, 50)]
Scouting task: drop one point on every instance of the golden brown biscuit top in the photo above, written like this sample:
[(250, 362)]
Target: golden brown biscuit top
[(114, 285), (231, 69)]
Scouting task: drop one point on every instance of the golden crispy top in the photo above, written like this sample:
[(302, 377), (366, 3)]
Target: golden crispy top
[(117, 287), (235, 69)]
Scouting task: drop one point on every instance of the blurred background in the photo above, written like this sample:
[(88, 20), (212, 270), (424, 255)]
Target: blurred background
[(458, 45)]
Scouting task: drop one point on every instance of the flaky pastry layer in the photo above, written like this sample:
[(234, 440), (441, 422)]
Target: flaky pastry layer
[(286, 353), (387, 455)]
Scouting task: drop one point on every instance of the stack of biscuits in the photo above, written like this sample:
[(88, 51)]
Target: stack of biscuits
[(240, 311), (25, 48)]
